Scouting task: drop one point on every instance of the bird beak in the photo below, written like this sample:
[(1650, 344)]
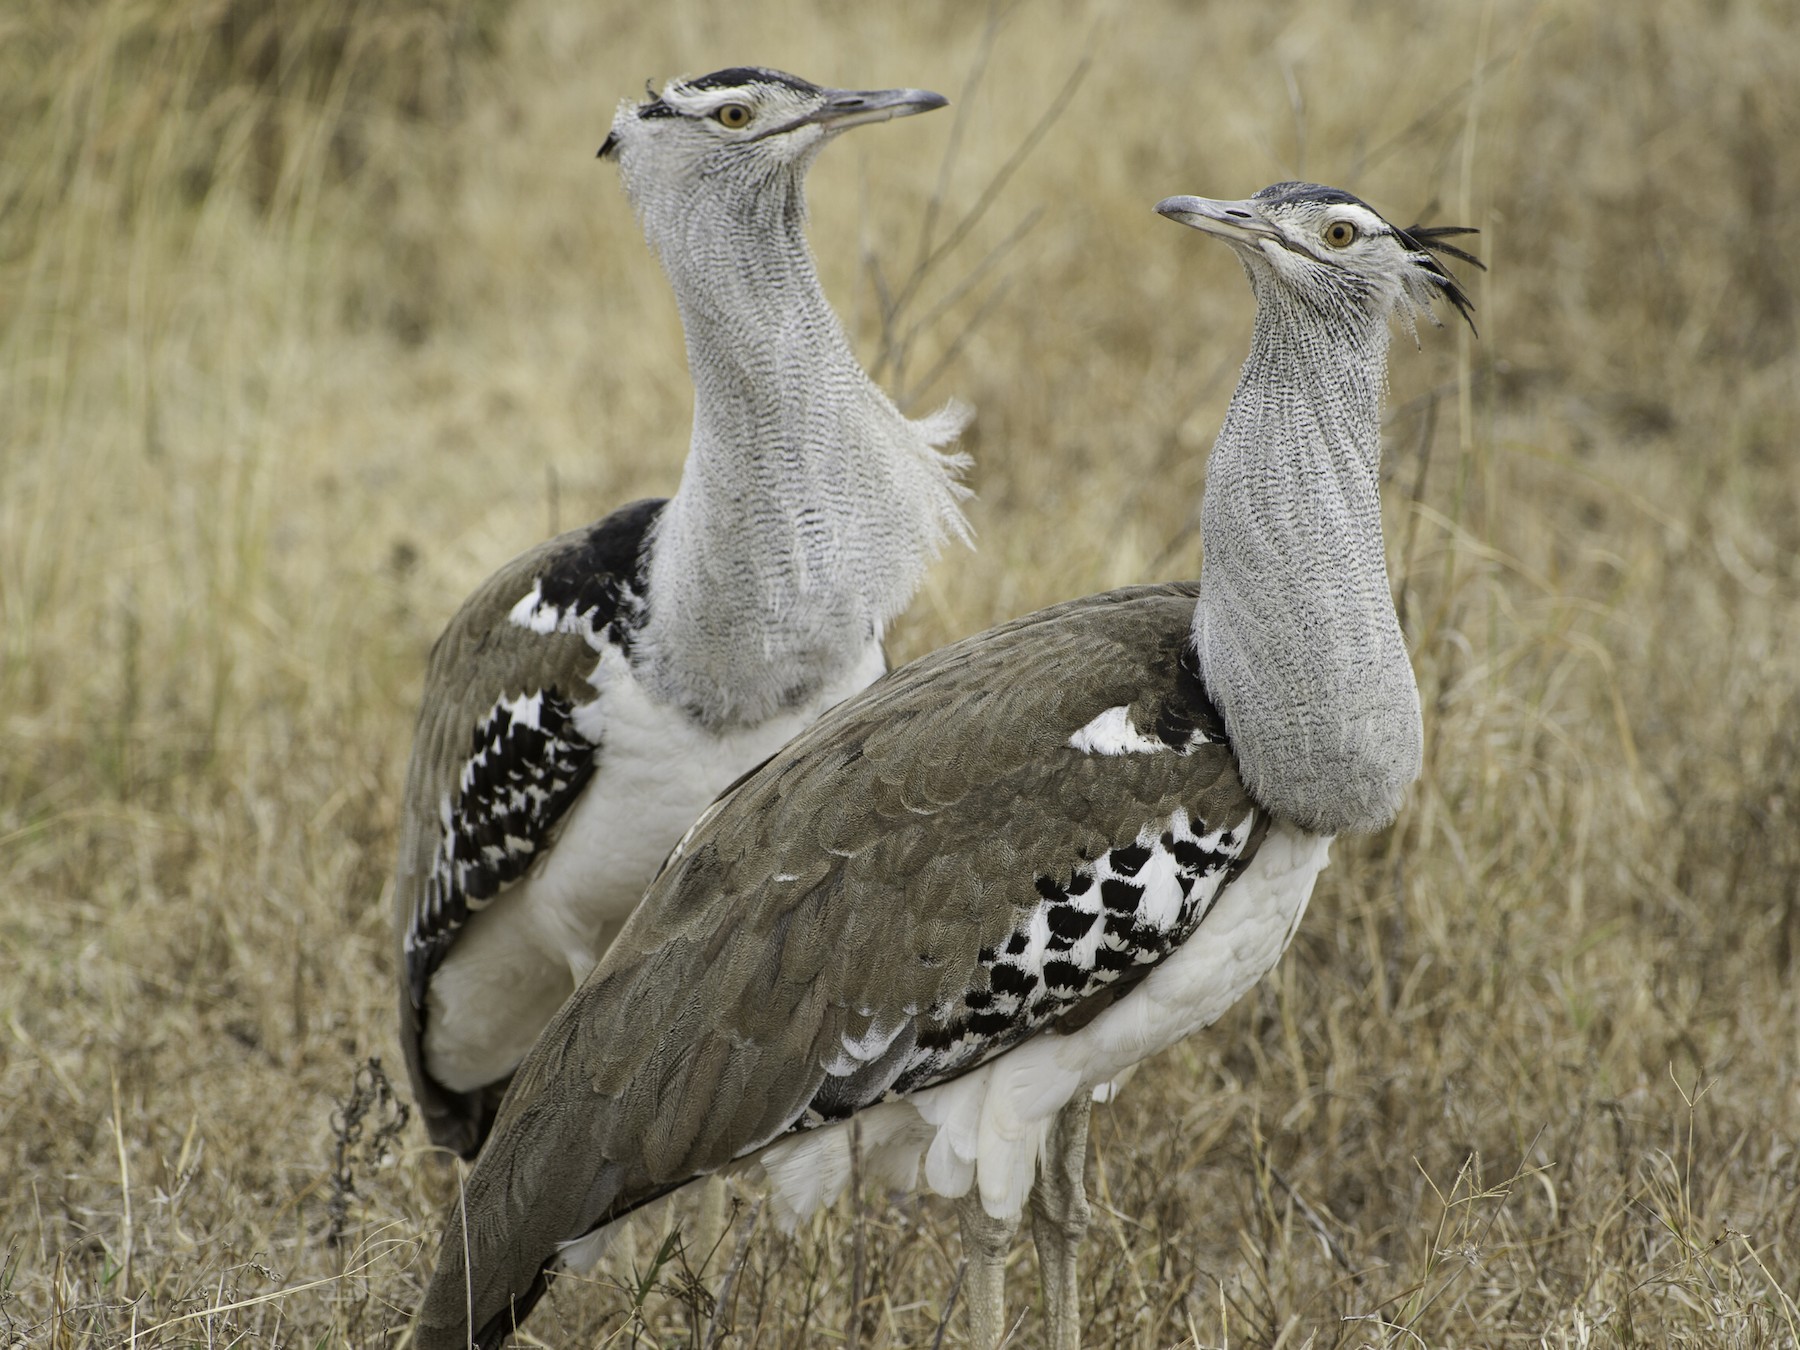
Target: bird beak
[(1234, 222), (846, 108)]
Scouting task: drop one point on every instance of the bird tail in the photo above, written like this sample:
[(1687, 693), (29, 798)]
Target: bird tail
[(506, 1231)]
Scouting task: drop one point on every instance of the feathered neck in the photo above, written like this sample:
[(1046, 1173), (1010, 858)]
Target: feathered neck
[(1298, 640), (809, 506)]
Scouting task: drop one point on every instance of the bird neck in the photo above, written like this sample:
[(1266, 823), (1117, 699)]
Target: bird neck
[(809, 506), (1296, 631)]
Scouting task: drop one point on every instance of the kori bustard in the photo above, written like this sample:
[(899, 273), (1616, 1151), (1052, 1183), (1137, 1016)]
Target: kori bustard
[(976, 893), (597, 692)]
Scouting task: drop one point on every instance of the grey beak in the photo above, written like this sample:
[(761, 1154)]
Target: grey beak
[(846, 108), (1236, 222)]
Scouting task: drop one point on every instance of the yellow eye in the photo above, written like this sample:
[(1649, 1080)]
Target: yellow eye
[(1340, 234), (733, 116)]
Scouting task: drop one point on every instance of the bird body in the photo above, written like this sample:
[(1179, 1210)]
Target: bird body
[(987, 886), (597, 692)]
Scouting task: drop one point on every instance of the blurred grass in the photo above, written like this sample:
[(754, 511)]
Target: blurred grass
[(312, 314)]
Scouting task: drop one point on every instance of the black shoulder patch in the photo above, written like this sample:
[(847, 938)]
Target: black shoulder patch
[(603, 578), (1187, 714)]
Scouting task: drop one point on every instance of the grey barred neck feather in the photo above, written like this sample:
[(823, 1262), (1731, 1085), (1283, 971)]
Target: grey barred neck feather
[(1296, 629), (807, 495)]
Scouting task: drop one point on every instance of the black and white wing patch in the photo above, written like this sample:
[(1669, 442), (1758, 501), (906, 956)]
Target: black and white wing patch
[(1108, 924), (513, 669), (1087, 936), (526, 767), (1092, 935)]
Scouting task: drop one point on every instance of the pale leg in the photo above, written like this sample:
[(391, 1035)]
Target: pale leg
[(712, 1216), (1059, 1220), (624, 1253), (986, 1241)]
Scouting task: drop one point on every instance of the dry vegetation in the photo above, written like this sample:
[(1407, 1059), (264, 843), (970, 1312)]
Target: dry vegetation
[(311, 314)]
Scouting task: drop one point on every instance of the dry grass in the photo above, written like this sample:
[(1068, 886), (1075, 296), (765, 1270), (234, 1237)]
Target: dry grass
[(309, 322)]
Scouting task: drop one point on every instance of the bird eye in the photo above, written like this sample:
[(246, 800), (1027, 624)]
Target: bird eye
[(732, 116), (1340, 234)]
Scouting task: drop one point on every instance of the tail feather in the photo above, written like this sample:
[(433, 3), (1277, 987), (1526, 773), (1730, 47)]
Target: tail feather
[(506, 1231)]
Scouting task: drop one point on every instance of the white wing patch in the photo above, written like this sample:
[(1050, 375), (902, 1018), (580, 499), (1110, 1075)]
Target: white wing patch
[(1114, 733), (543, 618), (1111, 733)]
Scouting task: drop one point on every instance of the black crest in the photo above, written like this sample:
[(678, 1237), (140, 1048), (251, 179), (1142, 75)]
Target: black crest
[(738, 76), (1281, 194), (1429, 240)]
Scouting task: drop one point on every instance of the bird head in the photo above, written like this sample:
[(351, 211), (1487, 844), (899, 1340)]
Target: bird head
[(740, 131), (1332, 251)]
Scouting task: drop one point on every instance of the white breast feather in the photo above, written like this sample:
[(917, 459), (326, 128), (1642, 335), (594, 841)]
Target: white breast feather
[(1112, 733)]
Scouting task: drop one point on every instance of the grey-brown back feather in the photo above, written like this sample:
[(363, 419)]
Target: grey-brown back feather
[(913, 821)]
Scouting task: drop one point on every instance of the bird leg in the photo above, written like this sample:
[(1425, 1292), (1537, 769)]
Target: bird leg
[(711, 1219), (986, 1241), (1059, 1220)]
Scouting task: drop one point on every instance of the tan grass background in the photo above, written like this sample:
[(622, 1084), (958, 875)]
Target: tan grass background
[(313, 313)]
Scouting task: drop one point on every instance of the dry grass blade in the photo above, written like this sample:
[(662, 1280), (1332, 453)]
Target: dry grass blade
[(716, 1326), (899, 333)]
